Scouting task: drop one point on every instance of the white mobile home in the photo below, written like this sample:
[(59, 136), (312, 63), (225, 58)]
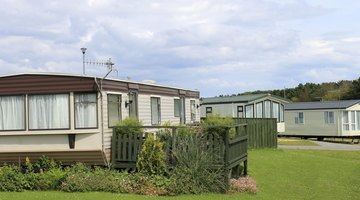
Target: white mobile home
[(323, 119), (70, 118), (246, 106)]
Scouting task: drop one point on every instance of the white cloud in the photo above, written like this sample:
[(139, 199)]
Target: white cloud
[(238, 45)]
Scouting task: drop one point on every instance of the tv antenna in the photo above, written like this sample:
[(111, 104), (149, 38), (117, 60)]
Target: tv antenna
[(105, 63)]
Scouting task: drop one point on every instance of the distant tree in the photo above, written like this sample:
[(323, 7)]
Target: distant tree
[(354, 91)]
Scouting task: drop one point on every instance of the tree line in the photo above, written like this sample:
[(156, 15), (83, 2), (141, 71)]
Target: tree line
[(329, 91)]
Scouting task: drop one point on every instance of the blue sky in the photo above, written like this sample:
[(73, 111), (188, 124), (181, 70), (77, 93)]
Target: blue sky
[(215, 46)]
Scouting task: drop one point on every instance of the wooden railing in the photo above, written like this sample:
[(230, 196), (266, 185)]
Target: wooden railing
[(226, 151)]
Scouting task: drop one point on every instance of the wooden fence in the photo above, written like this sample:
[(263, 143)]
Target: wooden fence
[(226, 152), (262, 132)]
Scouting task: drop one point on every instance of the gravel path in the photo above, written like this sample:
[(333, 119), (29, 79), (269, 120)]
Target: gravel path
[(325, 146)]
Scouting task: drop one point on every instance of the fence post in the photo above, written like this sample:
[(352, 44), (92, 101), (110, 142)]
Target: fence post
[(226, 158), (173, 140), (113, 147)]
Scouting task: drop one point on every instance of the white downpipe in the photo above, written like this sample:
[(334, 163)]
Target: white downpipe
[(102, 123)]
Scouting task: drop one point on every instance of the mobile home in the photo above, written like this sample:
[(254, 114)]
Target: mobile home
[(246, 106), (70, 117), (323, 119)]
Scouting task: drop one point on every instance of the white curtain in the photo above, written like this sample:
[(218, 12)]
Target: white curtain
[(12, 113), (85, 111), (49, 111)]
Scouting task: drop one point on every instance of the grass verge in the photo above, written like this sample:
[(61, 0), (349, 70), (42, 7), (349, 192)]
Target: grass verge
[(295, 142)]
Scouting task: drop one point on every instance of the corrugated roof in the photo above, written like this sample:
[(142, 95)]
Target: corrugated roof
[(321, 105), (239, 98)]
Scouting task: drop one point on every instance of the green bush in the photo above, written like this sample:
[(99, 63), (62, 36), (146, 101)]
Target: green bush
[(151, 159), (44, 163), (105, 180), (11, 179), (155, 185), (216, 120), (121, 127)]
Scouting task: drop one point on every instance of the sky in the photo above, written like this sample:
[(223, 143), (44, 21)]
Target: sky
[(214, 46)]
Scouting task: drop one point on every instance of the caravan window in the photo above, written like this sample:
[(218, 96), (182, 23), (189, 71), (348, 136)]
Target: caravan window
[(281, 113), (193, 110), (267, 109), (240, 111), (155, 111), (346, 121), (353, 127), (329, 117), (12, 113), (276, 111), (249, 111), (177, 107), (49, 111), (299, 118), (114, 109), (259, 110), (85, 111)]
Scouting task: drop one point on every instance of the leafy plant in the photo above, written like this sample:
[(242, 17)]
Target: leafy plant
[(211, 121), (122, 127), (11, 179), (151, 159)]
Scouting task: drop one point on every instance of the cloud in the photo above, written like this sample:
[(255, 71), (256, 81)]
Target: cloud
[(215, 46)]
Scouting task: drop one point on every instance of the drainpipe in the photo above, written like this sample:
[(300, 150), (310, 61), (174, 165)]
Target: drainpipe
[(101, 122)]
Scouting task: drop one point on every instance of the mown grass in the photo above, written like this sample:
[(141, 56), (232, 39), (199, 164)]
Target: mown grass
[(280, 174), (295, 142)]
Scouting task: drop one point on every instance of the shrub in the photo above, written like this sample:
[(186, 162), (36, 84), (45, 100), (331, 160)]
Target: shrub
[(154, 185), (83, 179), (216, 120), (151, 159), (193, 172), (45, 164), (129, 121), (243, 184), (11, 179)]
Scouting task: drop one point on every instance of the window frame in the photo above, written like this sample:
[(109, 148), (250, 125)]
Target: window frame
[(192, 110), (282, 113), (297, 118), (97, 113), (345, 124), (275, 104), (25, 113), (253, 110), (120, 108), (208, 110), (177, 101), (158, 110), (327, 118), (240, 111), (45, 94), (262, 109), (270, 109)]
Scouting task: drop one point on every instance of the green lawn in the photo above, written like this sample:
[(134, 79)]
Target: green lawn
[(297, 142), (280, 174)]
